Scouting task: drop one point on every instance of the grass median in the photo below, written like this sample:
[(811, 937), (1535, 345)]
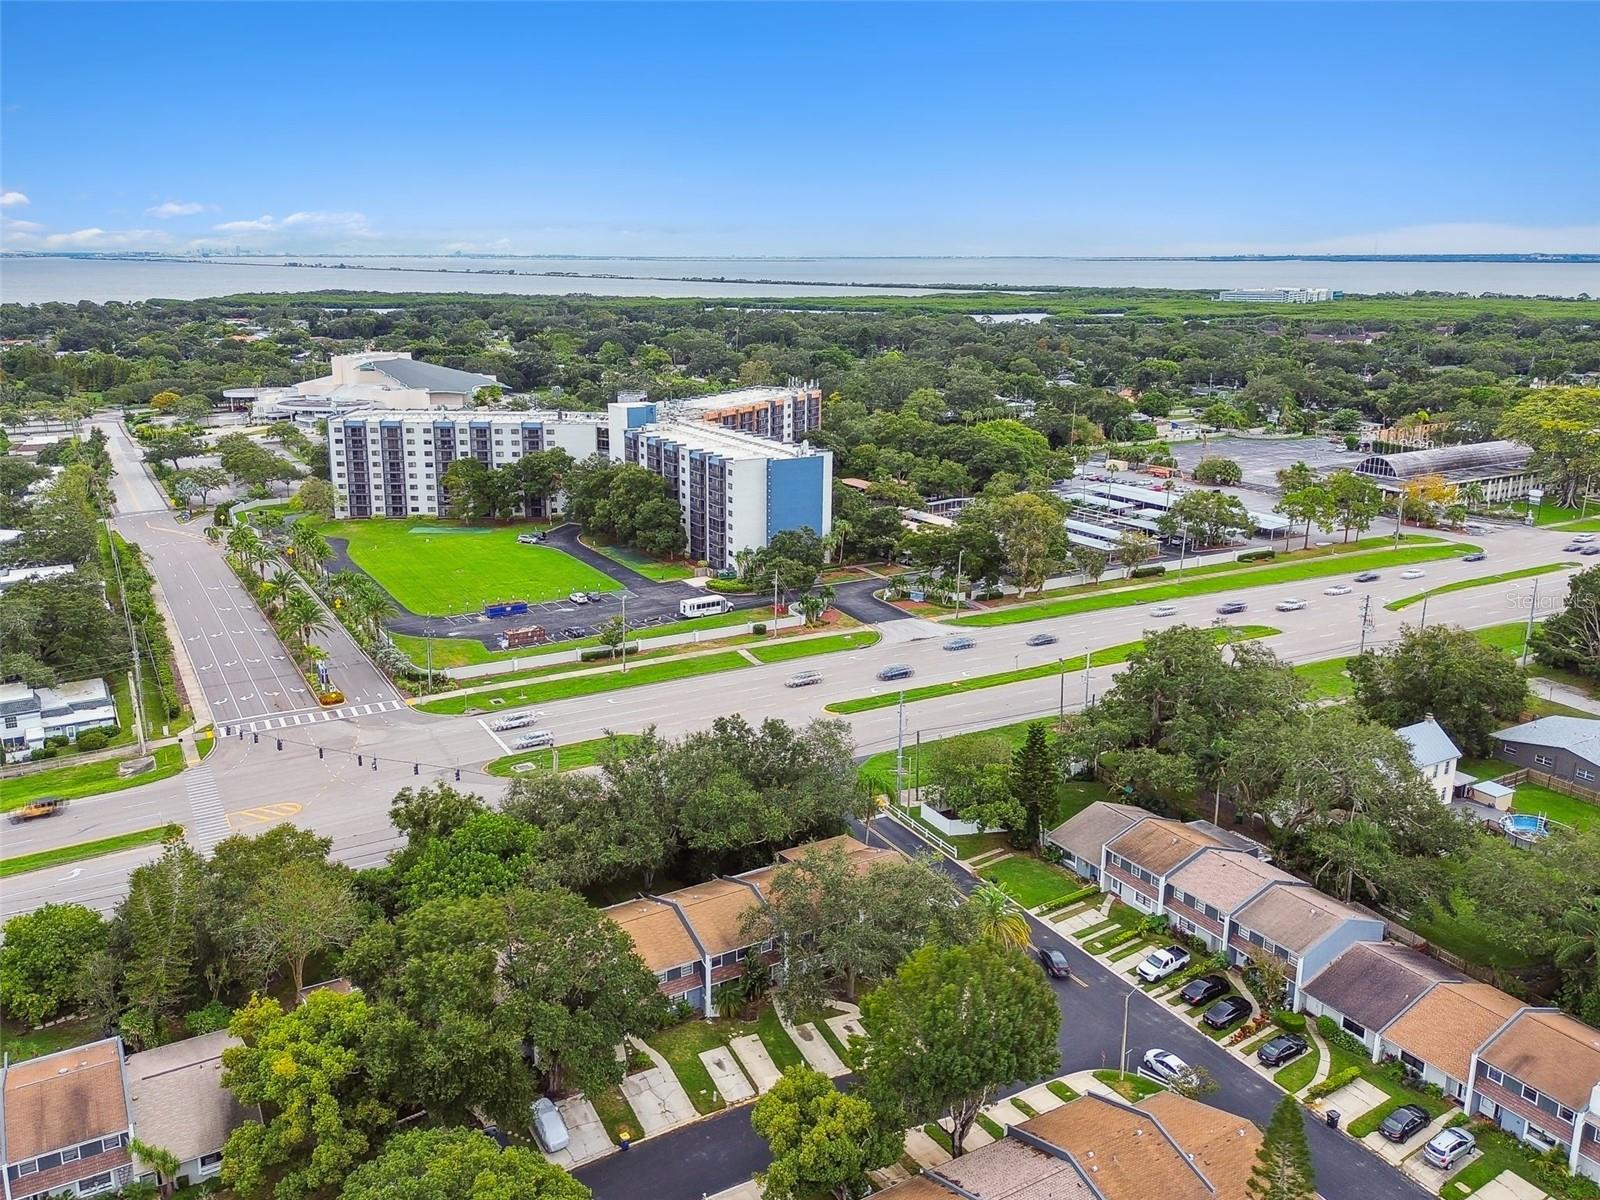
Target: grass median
[(783, 651), (1108, 656), (60, 855), (86, 779), (574, 755), (1462, 585), (1209, 584)]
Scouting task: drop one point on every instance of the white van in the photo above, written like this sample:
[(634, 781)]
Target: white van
[(704, 606)]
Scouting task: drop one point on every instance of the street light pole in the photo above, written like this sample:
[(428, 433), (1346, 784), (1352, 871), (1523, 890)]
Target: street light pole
[(624, 631), (957, 596), (1061, 713), (1086, 679), (1527, 633), (1122, 1059)]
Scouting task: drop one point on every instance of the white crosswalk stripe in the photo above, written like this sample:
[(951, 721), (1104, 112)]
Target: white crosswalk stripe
[(206, 818), (261, 724)]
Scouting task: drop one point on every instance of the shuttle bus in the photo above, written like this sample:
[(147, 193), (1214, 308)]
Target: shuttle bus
[(704, 606)]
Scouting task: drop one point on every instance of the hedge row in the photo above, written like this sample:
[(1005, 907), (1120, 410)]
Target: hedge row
[(1257, 555), (1332, 1083), (149, 629), (1147, 571)]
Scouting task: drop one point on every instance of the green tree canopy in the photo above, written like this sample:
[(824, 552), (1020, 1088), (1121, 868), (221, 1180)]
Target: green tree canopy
[(41, 958), (458, 1164), (822, 1141)]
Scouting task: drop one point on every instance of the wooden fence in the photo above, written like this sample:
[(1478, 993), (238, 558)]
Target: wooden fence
[(1555, 783)]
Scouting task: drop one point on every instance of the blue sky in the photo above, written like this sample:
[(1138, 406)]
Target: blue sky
[(801, 129)]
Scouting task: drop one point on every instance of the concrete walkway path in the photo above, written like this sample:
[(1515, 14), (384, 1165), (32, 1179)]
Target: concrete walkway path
[(755, 1060), (814, 1048), (587, 1138), (656, 1097), (726, 1076), (924, 1151), (1508, 1185)]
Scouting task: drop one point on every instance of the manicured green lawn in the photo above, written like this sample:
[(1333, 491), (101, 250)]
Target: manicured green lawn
[(1298, 1075), (643, 564), (1367, 1122), (437, 569), (881, 764), (573, 756), (1326, 680), (1108, 656), (19, 1042), (1508, 637), (1465, 934), (589, 685), (1073, 797), (1129, 1086), (1461, 585), (86, 779), (682, 1044), (1500, 1152), (1276, 573), (615, 1113), (1568, 810), (1060, 1090), (58, 855), (782, 650), (1031, 881)]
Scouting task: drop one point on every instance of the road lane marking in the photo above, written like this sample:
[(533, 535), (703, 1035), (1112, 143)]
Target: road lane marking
[(263, 814)]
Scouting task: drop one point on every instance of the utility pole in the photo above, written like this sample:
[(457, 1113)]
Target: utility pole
[(774, 604), (1424, 623), (1527, 633), (1399, 513), (133, 642), (1122, 1062), (957, 597), (1366, 622), (1061, 708), (624, 631), (900, 747), (1086, 679), (430, 662), (916, 769)]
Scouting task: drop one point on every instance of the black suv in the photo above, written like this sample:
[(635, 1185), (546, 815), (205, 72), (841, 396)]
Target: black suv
[(1226, 1011), (1281, 1049), (1203, 990)]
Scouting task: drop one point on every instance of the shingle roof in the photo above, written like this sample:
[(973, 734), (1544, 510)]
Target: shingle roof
[(1011, 1170), (409, 372), (1085, 833), (1295, 918), (1429, 743), (658, 932), (1557, 1054), (717, 910), (1158, 844), (1580, 735), (1220, 1144), (1450, 1022), (1373, 982), (1225, 879), (178, 1099), (63, 1099)]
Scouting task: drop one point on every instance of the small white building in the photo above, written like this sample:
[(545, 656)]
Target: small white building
[(30, 715), (1434, 754), (16, 575)]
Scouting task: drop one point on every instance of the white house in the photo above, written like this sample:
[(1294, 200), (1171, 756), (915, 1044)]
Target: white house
[(29, 715), (1434, 754)]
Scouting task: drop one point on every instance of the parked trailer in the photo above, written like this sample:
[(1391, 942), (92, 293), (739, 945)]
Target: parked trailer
[(514, 721), (509, 608), (528, 635)]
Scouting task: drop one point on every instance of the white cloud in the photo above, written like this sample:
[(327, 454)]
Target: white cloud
[(13, 200), (104, 239), (353, 224), (16, 225), (264, 222), (175, 208)]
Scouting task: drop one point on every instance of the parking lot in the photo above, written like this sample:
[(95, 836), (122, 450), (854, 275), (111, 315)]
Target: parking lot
[(1262, 458)]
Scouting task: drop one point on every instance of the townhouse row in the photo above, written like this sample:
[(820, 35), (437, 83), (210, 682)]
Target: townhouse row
[(695, 938), (1535, 1072)]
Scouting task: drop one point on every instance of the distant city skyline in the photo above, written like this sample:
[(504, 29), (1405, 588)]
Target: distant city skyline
[(801, 130)]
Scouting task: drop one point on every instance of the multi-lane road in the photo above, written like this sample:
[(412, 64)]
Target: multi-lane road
[(336, 772)]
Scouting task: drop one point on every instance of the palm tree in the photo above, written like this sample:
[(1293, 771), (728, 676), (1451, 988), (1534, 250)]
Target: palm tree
[(1471, 494), (303, 615), (311, 549), (999, 920), (272, 593), (246, 546), (1576, 944)]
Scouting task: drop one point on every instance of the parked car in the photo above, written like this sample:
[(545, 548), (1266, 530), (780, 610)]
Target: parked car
[(803, 679), (1203, 990), (1583, 537), (1043, 639), (548, 1126), (529, 539), (1054, 963), (896, 671), (1413, 573), (579, 597), (497, 1135), (1589, 551), (1226, 1011), (1338, 589), (1403, 1123), (1368, 577), (574, 631), (1164, 610), (1158, 964), (1232, 606), (1282, 1049), (1448, 1147), (960, 643), (1164, 1065), (1291, 605), (1478, 557), (1572, 548), (596, 597)]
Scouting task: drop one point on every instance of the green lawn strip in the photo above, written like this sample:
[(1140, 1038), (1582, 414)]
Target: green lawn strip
[(936, 1131), (86, 779), (1137, 946), (1367, 1122), (784, 650), (1538, 707), (1108, 656), (846, 1055), (881, 765), (1326, 680), (1061, 1091), (1023, 1107), (992, 1128), (615, 1113), (1073, 797), (1278, 573), (1498, 1152), (1030, 881), (1297, 1076), (1129, 1086), (682, 1044), (1461, 585), (573, 756), (466, 567), (1262, 1041), (1463, 933), (1582, 525), (18, 1042), (58, 855), (588, 685), (1093, 931), (1507, 637), (1567, 810), (1485, 768), (642, 564)]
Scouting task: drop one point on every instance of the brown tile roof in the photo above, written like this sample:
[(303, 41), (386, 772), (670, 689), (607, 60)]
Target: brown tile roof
[(63, 1099), (1449, 1023), (1222, 1145), (1010, 1170), (1226, 878), (1158, 844), (919, 1187), (717, 909), (657, 931), (1295, 918), (1122, 1151), (1085, 833), (178, 1099), (1551, 1051), (1373, 982)]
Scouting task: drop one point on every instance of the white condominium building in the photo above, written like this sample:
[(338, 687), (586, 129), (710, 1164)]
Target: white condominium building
[(1277, 295)]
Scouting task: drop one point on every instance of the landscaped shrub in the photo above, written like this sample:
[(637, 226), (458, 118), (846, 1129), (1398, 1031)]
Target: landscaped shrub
[(1334, 1036), (212, 1017), (43, 752), (597, 653), (1257, 555), (93, 739), (1292, 1021), (758, 628), (1146, 572), (730, 587), (1333, 1083)]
